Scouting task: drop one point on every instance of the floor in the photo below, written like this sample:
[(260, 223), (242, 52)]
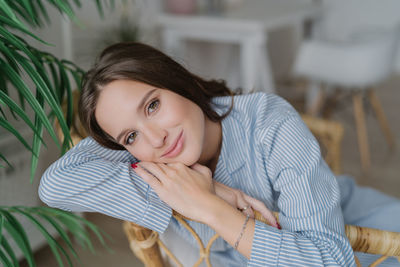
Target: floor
[(384, 175)]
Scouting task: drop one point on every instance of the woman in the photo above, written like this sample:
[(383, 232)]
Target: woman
[(197, 146)]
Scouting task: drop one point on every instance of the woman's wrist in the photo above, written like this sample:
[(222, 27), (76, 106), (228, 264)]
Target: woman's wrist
[(212, 208), (221, 212), (231, 224)]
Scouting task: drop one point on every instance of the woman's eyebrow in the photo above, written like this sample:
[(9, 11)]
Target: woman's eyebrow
[(144, 99), (140, 106), (121, 134)]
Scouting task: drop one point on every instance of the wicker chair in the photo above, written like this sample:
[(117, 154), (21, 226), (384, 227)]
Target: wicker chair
[(147, 245)]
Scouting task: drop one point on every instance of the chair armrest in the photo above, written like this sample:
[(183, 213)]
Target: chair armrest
[(364, 239)]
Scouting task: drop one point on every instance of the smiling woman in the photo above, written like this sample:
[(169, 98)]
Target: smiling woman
[(163, 139)]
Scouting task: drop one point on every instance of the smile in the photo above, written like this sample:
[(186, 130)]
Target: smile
[(175, 148)]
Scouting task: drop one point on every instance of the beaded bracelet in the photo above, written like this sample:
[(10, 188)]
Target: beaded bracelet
[(242, 231)]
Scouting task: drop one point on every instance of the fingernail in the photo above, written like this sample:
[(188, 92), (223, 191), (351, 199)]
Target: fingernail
[(134, 165), (278, 226)]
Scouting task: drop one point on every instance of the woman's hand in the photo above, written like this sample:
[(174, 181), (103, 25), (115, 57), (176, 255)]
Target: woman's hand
[(189, 191), (244, 203)]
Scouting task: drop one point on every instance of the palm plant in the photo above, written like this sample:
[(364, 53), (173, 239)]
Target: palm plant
[(33, 85)]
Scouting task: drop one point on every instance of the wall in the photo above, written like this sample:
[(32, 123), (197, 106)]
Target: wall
[(220, 61)]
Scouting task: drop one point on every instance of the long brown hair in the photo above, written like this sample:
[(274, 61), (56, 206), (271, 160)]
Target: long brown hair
[(143, 63)]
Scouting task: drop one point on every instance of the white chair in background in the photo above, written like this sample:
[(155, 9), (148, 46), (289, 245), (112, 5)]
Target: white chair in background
[(356, 66)]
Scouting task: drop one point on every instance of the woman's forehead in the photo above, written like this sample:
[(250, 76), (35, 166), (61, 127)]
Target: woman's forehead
[(117, 100), (125, 88), (120, 93)]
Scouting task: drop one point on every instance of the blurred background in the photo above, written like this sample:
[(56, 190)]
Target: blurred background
[(334, 59)]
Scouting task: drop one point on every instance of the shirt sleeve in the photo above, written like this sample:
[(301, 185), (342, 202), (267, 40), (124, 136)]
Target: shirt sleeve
[(91, 178), (308, 200)]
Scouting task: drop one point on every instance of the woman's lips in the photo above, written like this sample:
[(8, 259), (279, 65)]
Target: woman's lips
[(176, 148)]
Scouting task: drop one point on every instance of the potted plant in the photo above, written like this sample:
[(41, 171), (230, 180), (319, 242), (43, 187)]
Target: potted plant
[(33, 86)]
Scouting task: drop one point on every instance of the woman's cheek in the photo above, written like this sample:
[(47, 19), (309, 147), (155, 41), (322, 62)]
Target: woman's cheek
[(192, 154), (139, 155)]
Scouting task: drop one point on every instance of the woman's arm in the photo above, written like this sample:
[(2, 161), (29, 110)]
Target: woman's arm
[(91, 178), (243, 202), (308, 201)]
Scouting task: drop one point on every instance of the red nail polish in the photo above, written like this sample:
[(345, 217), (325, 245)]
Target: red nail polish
[(279, 226), (134, 165)]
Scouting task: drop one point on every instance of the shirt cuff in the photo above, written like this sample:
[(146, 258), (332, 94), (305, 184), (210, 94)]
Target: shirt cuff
[(157, 215), (266, 245)]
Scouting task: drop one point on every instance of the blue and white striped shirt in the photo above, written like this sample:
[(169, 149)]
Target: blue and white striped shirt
[(267, 152)]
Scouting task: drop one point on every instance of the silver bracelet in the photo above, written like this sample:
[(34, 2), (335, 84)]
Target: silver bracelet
[(242, 232)]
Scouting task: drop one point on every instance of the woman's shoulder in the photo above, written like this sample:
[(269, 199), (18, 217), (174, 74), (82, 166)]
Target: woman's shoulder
[(262, 101), (260, 110), (253, 102)]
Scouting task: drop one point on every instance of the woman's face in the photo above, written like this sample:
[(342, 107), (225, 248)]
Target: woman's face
[(153, 124)]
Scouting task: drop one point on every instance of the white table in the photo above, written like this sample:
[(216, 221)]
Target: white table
[(247, 25)]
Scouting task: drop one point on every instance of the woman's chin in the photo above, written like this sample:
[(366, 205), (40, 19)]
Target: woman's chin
[(188, 161)]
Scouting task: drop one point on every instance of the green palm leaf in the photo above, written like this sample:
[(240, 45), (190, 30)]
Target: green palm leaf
[(2, 219), (4, 243), (45, 91), (63, 234), (100, 7), (54, 246), (67, 88), (20, 27), (3, 259), (22, 56), (9, 56), (17, 232), (13, 40), (60, 220), (6, 125), (36, 139), (24, 9), (75, 71), (28, 7), (9, 12), (20, 112), (65, 8), (77, 3), (54, 75), (20, 12), (47, 60), (43, 11), (78, 228), (20, 64), (17, 81), (77, 223), (6, 161)]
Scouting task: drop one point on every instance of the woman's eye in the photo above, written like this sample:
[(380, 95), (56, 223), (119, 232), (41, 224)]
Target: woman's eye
[(153, 106), (131, 138)]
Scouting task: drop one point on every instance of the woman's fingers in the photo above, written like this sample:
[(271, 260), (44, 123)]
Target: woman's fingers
[(149, 178), (153, 169), (265, 212), (234, 197), (202, 169), (248, 210), (243, 205)]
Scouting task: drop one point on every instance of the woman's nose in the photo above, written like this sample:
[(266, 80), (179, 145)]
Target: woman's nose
[(155, 136)]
